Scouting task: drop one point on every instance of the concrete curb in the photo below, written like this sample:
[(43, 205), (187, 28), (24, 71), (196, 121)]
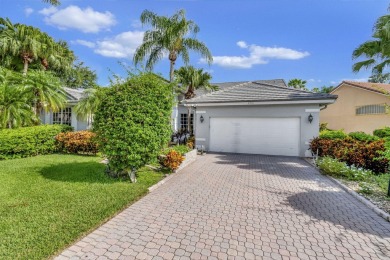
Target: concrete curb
[(190, 158), (356, 195)]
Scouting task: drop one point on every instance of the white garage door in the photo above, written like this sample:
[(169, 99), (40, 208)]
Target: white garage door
[(273, 136)]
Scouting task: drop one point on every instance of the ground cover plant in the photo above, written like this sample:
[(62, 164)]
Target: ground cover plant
[(47, 202)]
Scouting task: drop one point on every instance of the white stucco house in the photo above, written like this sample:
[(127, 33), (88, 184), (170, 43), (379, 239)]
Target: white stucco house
[(67, 116), (256, 117)]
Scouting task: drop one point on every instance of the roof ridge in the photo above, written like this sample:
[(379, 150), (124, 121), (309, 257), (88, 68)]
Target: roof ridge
[(294, 89), (222, 90)]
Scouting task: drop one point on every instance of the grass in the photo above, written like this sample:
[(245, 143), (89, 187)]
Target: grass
[(48, 202)]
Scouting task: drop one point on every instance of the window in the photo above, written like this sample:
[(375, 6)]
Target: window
[(184, 121), (63, 117), (371, 110)]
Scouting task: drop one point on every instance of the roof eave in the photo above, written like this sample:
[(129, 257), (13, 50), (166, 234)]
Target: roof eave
[(267, 102)]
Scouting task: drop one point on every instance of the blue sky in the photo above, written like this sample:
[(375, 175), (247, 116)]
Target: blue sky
[(249, 39)]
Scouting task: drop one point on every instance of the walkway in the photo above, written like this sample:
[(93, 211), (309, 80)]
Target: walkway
[(241, 207)]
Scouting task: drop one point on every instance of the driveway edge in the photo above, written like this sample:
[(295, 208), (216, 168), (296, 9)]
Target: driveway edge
[(190, 157), (359, 197)]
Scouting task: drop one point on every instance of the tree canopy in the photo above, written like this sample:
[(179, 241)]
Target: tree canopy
[(376, 51), (297, 83), (22, 46), (174, 35)]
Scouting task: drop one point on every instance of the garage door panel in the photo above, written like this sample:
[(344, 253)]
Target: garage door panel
[(274, 136)]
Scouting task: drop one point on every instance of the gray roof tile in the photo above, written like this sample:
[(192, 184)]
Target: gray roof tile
[(255, 91), (73, 94)]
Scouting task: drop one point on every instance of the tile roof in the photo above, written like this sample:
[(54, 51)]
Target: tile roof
[(73, 95), (377, 87), (256, 91)]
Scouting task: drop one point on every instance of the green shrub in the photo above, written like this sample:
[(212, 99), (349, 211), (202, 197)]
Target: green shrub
[(333, 134), (333, 167), (182, 149), (82, 142), (383, 132), (368, 155), (132, 122), (29, 141), (362, 136)]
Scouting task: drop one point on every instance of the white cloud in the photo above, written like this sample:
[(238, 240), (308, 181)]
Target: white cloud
[(73, 17), (257, 55), (357, 79), (48, 11), (85, 43), (28, 11), (314, 80), (121, 46)]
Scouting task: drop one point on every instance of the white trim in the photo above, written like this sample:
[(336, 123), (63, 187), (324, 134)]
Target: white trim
[(212, 104), (201, 112), (200, 139), (312, 110)]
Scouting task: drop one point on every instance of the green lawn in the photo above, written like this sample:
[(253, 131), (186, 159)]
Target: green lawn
[(47, 202)]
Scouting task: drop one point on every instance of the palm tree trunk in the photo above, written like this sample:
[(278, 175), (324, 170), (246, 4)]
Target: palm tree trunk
[(189, 129), (171, 70), (25, 67)]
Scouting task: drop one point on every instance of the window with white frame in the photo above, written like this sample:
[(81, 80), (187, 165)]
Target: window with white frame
[(371, 110), (63, 117), (184, 121)]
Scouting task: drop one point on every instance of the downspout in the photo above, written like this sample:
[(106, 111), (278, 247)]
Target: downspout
[(323, 107)]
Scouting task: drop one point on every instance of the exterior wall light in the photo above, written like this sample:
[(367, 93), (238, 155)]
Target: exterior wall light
[(310, 118), (201, 119)]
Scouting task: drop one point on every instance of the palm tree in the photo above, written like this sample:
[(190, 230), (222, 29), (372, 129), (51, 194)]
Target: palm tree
[(45, 91), (87, 106), (169, 35), (192, 79), (377, 51), (53, 2), (27, 44), (14, 107), (297, 83)]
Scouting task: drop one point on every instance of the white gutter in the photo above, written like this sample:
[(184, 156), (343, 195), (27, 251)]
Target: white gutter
[(257, 103)]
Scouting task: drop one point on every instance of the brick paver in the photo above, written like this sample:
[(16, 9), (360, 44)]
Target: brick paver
[(226, 206)]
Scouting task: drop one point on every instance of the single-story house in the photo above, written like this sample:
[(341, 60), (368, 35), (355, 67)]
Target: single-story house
[(361, 106), (257, 117), (67, 116)]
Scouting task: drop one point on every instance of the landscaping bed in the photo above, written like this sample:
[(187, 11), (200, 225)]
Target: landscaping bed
[(358, 160), (47, 202)]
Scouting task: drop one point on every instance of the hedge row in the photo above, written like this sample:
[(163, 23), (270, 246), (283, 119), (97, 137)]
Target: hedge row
[(365, 154), (29, 141)]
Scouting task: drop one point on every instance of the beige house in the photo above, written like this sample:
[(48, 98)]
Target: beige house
[(361, 106)]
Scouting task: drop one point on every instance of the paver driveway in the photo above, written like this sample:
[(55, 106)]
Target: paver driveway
[(242, 207)]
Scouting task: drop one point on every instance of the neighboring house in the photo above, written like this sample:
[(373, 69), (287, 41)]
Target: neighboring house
[(361, 106), (67, 116), (257, 117)]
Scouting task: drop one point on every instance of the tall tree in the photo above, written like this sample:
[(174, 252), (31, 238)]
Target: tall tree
[(379, 78), (323, 89), (192, 79), (377, 50), (170, 35), (297, 83), (79, 76), (45, 91), (53, 2), (22, 44), (15, 109)]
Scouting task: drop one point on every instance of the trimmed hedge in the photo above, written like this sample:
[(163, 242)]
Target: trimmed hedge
[(29, 141), (82, 142), (333, 134), (383, 132), (367, 155), (362, 136)]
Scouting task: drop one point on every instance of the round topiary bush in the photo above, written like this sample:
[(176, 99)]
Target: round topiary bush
[(133, 122)]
